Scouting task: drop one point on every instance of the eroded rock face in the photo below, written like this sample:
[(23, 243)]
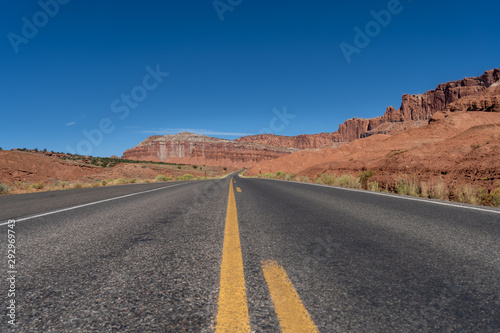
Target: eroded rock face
[(189, 148), (470, 94), (487, 100), (305, 141)]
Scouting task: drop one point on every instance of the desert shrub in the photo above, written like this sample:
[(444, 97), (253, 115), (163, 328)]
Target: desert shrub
[(365, 176), (119, 181), (468, 194), (37, 186), (280, 175), (440, 191), (305, 179), (407, 186), (267, 175), (147, 181), (396, 152), (494, 197), (483, 196), (195, 166), (22, 185), (186, 176), (4, 189), (326, 179), (161, 178), (77, 185), (424, 190), (103, 183), (179, 167), (347, 181), (373, 186), (132, 180), (95, 184)]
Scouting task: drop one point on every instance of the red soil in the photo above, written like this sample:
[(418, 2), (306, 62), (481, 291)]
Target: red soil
[(462, 148)]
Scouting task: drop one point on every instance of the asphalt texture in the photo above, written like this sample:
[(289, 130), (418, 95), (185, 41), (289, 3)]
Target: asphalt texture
[(150, 262)]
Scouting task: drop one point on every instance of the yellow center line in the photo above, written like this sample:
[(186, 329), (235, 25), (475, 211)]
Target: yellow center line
[(232, 313), (238, 189), (291, 313)]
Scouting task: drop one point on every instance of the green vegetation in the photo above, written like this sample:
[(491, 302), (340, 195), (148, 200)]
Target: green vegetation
[(348, 181), (405, 186), (186, 176), (365, 176), (373, 186), (397, 152), (4, 189), (162, 178), (494, 196), (37, 186), (280, 175)]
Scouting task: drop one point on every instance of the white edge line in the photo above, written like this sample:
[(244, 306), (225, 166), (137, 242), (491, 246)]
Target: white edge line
[(389, 195), (89, 204)]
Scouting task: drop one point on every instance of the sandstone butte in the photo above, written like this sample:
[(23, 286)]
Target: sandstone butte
[(189, 148)]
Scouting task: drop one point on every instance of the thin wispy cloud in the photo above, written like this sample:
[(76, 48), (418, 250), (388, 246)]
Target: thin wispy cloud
[(71, 123), (164, 131)]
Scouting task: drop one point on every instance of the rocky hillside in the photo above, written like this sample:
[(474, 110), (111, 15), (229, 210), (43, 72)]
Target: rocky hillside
[(458, 148), (470, 94), (192, 148)]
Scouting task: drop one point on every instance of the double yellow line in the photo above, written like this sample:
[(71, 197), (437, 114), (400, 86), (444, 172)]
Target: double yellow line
[(232, 314)]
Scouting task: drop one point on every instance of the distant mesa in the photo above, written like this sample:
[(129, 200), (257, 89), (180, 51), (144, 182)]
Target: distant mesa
[(190, 148)]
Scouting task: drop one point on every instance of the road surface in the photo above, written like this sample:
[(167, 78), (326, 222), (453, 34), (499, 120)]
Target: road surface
[(242, 254)]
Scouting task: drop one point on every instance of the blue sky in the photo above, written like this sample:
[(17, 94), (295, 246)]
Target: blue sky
[(226, 78)]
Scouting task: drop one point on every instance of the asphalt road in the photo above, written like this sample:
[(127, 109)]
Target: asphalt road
[(147, 258)]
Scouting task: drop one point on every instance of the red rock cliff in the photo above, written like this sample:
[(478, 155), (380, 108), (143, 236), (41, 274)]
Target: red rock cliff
[(470, 94), (303, 141), (191, 148)]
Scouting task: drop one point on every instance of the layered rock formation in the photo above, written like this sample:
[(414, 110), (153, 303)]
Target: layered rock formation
[(487, 100), (470, 94), (189, 148), (304, 141)]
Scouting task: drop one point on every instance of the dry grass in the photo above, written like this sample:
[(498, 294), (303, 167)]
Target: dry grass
[(373, 186), (468, 194), (4, 189), (439, 191), (407, 186)]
